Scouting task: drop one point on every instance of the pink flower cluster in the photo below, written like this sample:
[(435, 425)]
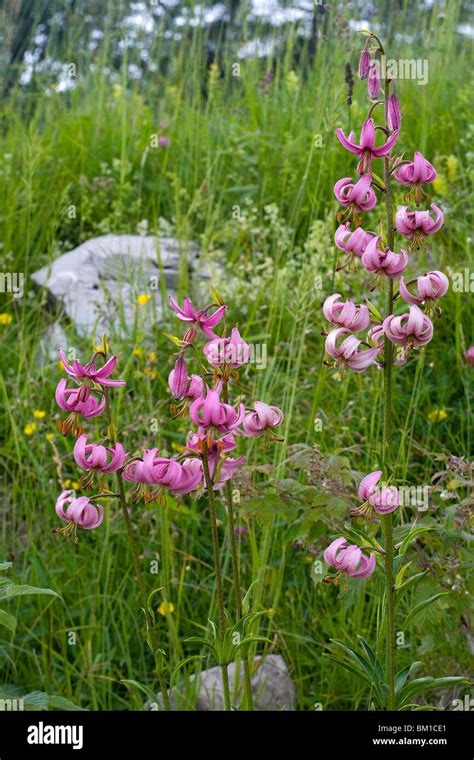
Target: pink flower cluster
[(413, 328), (382, 499), (218, 422)]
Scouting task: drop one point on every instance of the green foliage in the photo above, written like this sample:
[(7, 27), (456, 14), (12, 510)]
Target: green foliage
[(233, 144)]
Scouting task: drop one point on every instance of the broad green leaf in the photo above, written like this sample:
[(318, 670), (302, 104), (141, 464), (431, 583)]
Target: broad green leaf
[(11, 590), (422, 605), (411, 580), (56, 702), (412, 534), (8, 620), (402, 675)]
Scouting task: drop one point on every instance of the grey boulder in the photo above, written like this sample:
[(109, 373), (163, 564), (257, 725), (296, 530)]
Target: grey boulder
[(97, 283), (272, 688)]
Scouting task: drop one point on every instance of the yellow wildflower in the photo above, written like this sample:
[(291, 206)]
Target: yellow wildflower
[(39, 414), (6, 319), (143, 299), (440, 186), (152, 356), (165, 607), (50, 437), (138, 352), (437, 415), (30, 428)]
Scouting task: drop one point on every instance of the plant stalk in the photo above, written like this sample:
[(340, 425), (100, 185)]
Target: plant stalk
[(236, 572), (136, 564), (217, 566), (387, 521)]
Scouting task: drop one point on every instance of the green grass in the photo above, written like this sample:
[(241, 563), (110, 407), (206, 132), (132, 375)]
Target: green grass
[(231, 146)]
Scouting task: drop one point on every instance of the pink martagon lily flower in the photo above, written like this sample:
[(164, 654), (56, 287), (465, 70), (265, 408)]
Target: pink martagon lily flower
[(412, 328), (364, 64), (419, 171), (200, 318), (154, 470), (178, 477), (352, 242), (80, 512), (233, 351), (382, 260), (191, 477), (89, 371), (430, 287), (360, 195), (212, 412), (346, 313), (349, 559), (263, 418), (70, 400), (348, 352), (383, 499), (135, 471), (418, 224), (178, 378), (96, 457), (373, 80), (366, 149), (394, 114)]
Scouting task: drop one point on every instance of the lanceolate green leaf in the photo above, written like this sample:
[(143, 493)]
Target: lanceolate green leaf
[(423, 605), (9, 621), (11, 590)]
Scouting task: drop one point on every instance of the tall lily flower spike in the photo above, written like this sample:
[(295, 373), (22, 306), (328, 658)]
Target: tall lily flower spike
[(347, 353), (357, 196), (346, 313), (366, 149), (96, 457), (349, 559), (382, 260), (411, 329), (199, 318), (430, 287), (383, 499), (89, 371), (263, 418), (78, 512), (416, 225)]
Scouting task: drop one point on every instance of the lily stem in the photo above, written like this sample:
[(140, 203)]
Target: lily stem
[(387, 520), (153, 639), (236, 572), (217, 566)]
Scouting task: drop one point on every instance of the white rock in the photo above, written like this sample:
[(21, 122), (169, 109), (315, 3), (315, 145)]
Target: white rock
[(97, 284), (272, 688)]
